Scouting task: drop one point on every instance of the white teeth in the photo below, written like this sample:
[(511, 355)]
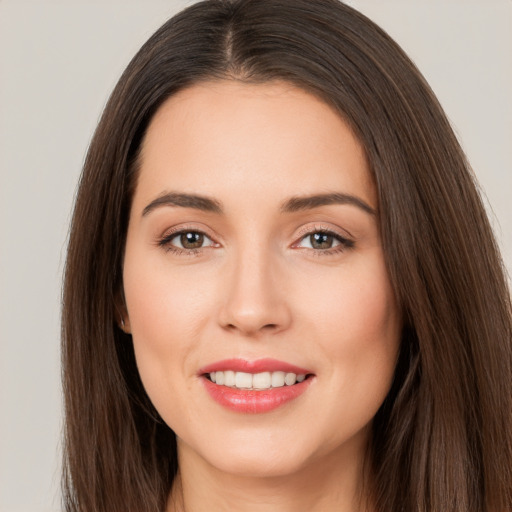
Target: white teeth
[(229, 378), (243, 380), (290, 379), (261, 380), (277, 379), (264, 380)]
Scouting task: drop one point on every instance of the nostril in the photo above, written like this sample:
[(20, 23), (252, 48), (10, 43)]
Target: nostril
[(266, 327)]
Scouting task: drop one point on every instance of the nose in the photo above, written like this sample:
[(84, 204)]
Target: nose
[(252, 300)]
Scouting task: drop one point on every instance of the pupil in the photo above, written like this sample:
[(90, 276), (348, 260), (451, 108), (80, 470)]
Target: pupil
[(191, 240), (321, 241)]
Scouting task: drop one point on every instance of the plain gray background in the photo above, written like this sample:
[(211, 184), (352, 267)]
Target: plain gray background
[(59, 60)]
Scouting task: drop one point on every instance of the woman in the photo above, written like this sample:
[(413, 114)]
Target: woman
[(282, 290)]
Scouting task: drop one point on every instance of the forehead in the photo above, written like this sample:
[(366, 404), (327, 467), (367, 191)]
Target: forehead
[(272, 139)]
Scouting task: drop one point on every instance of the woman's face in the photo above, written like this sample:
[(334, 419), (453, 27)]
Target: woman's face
[(253, 254)]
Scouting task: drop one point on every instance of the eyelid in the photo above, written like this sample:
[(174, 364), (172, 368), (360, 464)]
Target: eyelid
[(344, 243), (324, 228), (165, 239)]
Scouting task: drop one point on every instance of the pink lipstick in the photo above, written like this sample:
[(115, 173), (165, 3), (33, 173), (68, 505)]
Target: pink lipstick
[(254, 386)]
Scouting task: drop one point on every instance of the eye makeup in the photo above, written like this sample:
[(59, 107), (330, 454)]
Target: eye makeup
[(319, 240)]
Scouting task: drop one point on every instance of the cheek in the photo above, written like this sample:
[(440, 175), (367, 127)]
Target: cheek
[(356, 304), (163, 303), (163, 309), (358, 328)]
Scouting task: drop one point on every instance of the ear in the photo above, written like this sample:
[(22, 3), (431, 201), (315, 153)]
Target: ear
[(121, 312)]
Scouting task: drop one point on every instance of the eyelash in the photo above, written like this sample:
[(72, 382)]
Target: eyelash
[(344, 243), (165, 242)]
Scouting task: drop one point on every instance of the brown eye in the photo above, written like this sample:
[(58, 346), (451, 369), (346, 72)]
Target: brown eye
[(186, 241), (321, 240), (191, 240), (325, 242)]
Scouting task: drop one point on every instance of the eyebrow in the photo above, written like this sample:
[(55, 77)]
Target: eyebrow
[(300, 203), (185, 201), (294, 204)]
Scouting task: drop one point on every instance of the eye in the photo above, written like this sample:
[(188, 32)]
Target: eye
[(186, 240), (324, 241), (320, 240), (189, 240)]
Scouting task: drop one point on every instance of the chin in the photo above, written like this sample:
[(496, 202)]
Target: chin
[(260, 463), (250, 453)]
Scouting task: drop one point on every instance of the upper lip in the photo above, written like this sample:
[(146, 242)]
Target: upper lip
[(257, 366)]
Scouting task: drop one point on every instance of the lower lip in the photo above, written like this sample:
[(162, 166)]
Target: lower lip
[(251, 401)]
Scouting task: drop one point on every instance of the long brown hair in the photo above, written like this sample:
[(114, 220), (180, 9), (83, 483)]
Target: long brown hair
[(442, 440)]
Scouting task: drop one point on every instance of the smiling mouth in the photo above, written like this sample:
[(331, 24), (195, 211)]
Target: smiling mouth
[(259, 386), (262, 381)]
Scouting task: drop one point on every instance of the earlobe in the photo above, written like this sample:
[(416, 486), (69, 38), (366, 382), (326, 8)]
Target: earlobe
[(122, 318), (124, 324)]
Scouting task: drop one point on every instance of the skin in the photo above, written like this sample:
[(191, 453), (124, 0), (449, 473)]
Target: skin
[(258, 288)]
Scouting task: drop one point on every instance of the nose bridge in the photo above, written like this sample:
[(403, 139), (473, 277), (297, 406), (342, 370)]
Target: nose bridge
[(253, 300)]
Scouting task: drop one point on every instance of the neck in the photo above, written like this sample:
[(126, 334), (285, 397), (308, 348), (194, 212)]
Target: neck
[(336, 481)]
